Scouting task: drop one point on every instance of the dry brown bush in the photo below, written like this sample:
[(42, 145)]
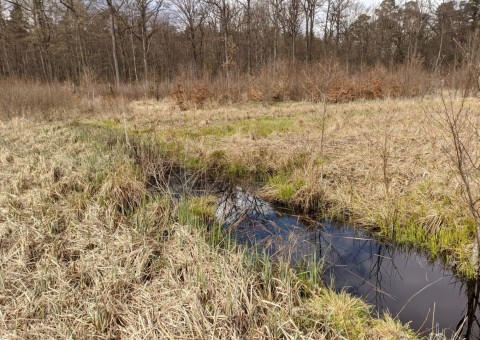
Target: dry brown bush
[(193, 93), (179, 96), (254, 94), (379, 83), (35, 100)]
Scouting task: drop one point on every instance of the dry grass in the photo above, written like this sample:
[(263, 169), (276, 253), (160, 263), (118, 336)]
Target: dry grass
[(86, 251), (382, 164)]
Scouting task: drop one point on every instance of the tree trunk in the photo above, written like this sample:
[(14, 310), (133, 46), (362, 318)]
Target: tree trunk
[(145, 45), (307, 37), (311, 36), (114, 44), (249, 38), (227, 66), (134, 57)]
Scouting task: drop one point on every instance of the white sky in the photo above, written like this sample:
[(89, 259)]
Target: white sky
[(370, 3)]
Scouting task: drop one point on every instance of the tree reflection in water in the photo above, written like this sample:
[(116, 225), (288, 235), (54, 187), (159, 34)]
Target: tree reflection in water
[(469, 325), (401, 282)]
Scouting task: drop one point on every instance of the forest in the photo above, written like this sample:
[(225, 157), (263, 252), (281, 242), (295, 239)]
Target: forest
[(136, 41)]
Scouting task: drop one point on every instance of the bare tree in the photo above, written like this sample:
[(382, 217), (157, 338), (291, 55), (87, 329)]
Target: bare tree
[(131, 39), (43, 36), (225, 11), (5, 65), (247, 9), (276, 12), (146, 12), (39, 31), (17, 35), (192, 13), (460, 126), (291, 23), (77, 10)]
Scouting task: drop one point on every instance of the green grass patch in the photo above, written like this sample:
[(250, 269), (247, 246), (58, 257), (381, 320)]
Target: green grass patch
[(258, 127), (347, 316), (285, 187), (204, 206), (107, 123), (449, 240)]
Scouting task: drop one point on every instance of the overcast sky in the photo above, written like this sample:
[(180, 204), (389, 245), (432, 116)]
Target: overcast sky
[(370, 3)]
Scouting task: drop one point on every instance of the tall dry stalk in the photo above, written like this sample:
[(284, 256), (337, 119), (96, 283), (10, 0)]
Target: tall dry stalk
[(382, 145), (323, 126), (385, 152), (320, 94)]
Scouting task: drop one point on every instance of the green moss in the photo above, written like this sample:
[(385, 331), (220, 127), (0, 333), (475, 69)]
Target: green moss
[(264, 127), (109, 123), (192, 161), (217, 161), (218, 156), (237, 170), (215, 131)]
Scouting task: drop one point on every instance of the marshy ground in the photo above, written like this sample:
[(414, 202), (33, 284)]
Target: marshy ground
[(383, 164), (88, 249)]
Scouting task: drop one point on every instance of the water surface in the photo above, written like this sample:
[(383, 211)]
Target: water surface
[(404, 283)]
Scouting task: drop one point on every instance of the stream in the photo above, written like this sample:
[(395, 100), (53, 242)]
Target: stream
[(404, 283)]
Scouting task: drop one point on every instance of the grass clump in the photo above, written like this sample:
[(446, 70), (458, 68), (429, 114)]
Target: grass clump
[(344, 313), (284, 187), (349, 317), (203, 206), (123, 190)]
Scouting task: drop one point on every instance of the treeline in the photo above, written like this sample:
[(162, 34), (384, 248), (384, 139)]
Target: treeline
[(155, 40)]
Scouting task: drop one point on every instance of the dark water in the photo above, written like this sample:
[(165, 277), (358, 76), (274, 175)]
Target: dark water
[(404, 283)]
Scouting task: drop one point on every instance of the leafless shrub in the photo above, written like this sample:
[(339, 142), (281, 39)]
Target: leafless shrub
[(459, 125)]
